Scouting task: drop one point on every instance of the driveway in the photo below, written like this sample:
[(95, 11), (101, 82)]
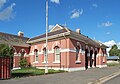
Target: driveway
[(79, 77)]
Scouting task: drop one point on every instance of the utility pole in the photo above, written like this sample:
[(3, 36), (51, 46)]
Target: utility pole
[(46, 56)]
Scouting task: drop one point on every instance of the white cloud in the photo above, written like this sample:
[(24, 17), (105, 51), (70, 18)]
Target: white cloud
[(7, 13), (94, 5), (109, 44), (106, 24), (76, 13), (55, 1), (51, 26), (2, 2)]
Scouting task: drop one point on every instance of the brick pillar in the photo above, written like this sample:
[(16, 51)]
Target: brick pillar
[(99, 58)]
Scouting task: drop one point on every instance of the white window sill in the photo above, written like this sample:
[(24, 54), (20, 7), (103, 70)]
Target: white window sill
[(56, 62), (44, 62), (78, 62), (35, 62)]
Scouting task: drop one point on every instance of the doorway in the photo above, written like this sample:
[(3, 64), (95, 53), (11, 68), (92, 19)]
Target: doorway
[(86, 59), (95, 58)]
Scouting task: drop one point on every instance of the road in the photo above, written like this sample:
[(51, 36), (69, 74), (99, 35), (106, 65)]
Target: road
[(115, 80), (78, 77)]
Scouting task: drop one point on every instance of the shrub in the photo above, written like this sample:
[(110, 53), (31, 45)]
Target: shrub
[(23, 63)]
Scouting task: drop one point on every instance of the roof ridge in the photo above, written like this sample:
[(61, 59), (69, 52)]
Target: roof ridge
[(13, 35)]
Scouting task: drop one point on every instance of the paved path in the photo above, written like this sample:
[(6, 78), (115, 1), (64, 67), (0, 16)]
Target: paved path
[(79, 77)]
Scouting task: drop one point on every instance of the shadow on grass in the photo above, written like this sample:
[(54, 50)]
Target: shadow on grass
[(18, 75)]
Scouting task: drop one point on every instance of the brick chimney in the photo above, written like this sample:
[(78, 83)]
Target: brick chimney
[(21, 34), (78, 31)]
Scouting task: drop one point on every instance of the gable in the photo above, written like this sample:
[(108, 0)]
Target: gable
[(56, 28)]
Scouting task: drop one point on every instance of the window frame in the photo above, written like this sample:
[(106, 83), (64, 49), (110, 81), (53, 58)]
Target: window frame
[(36, 55), (57, 55)]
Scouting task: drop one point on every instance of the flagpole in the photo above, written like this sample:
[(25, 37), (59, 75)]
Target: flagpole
[(46, 56)]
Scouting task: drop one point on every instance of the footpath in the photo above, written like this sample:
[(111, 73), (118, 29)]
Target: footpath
[(90, 76)]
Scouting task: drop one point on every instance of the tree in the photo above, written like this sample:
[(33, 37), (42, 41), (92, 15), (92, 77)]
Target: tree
[(6, 51), (114, 51)]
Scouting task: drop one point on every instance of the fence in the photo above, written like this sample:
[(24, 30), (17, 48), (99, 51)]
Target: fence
[(5, 69)]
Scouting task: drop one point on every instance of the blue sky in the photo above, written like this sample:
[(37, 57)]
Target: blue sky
[(98, 19)]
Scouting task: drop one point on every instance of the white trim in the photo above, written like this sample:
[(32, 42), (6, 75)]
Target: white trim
[(56, 62), (44, 62), (15, 68), (61, 50), (35, 62), (101, 66), (55, 27), (16, 55), (67, 50), (78, 62), (99, 55), (26, 55), (50, 52), (105, 54), (66, 69), (83, 52), (31, 53), (75, 69)]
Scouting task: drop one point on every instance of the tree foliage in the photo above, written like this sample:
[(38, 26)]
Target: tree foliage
[(114, 51), (5, 51)]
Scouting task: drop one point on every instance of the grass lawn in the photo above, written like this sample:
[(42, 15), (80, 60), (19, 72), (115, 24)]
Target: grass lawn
[(113, 64), (25, 72)]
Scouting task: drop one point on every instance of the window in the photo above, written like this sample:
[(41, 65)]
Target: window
[(77, 53), (22, 53), (57, 54), (44, 52), (36, 54)]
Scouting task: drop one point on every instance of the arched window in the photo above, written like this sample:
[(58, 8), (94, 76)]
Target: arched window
[(36, 54), (22, 52), (77, 53), (44, 52), (57, 54)]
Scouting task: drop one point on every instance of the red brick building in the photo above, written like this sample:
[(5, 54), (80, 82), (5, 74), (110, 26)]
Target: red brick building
[(67, 50)]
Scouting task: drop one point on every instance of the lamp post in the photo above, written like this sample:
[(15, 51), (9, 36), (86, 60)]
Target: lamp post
[(46, 56)]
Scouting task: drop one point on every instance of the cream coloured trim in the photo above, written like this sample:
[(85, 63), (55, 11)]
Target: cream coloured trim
[(67, 50), (31, 54), (99, 55), (35, 62), (101, 66), (56, 62), (44, 62), (56, 26), (75, 69), (66, 69), (15, 68), (78, 62)]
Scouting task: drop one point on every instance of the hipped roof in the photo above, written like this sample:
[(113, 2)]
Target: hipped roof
[(60, 31), (14, 40)]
